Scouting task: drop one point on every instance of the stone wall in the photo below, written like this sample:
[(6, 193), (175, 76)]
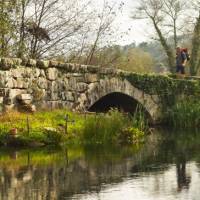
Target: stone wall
[(46, 84)]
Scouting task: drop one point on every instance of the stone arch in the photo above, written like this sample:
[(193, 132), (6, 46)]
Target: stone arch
[(117, 100), (106, 86)]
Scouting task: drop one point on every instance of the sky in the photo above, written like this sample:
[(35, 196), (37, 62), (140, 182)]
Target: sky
[(138, 28)]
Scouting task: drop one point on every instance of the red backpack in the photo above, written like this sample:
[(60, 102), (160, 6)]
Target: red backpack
[(185, 50)]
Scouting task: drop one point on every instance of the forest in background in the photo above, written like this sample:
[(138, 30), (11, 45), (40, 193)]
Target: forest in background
[(85, 32)]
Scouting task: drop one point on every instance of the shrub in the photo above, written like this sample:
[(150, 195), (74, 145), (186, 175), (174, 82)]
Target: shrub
[(131, 135), (52, 136)]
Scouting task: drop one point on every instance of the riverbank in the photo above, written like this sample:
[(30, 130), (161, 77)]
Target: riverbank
[(20, 129), (60, 127)]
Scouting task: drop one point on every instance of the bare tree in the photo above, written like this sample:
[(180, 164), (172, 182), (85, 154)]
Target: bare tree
[(100, 33), (173, 9), (164, 16), (48, 26), (104, 21), (20, 27), (59, 28)]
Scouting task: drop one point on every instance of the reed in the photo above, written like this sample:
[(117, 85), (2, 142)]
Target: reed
[(103, 128), (139, 119), (184, 114), (114, 127)]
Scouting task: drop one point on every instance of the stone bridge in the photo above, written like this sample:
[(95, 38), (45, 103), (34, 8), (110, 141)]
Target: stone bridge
[(50, 84)]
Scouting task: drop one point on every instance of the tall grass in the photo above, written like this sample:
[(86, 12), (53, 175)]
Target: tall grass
[(113, 127), (185, 114), (104, 128), (139, 120)]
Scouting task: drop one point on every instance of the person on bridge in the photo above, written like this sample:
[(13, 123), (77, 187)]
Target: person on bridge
[(181, 60)]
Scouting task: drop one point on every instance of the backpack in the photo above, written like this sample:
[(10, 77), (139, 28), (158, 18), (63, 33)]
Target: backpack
[(185, 50)]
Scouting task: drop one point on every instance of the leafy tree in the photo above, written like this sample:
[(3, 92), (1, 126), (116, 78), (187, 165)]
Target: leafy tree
[(7, 10)]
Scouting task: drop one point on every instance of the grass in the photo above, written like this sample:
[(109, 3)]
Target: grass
[(139, 119), (113, 127), (103, 128), (49, 128), (184, 114)]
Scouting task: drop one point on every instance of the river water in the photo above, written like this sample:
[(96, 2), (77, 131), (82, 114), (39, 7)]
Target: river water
[(166, 167)]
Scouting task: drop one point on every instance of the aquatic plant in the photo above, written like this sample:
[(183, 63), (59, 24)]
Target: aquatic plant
[(103, 128), (131, 135), (113, 127), (184, 114), (139, 120)]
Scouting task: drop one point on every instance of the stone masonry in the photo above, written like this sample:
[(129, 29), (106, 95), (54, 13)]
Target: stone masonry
[(51, 84)]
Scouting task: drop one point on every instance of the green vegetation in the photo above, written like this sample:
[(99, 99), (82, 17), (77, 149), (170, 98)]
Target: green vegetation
[(114, 127), (162, 84), (129, 58), (41, 128), (184, 114), (50, 128), (168, 88), (179, 97)]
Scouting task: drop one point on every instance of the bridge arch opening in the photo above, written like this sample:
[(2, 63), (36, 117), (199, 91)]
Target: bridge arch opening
[(117, 100)]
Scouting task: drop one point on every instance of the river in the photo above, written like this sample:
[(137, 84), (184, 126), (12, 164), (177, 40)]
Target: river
[(166, 167)]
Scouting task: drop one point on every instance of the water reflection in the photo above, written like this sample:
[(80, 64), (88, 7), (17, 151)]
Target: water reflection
[(166, 167), (183, 179)]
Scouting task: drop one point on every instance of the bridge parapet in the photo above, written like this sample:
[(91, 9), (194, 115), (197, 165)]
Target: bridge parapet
[(10, 63)]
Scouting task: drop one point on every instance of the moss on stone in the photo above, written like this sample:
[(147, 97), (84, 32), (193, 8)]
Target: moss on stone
[(168, 89)]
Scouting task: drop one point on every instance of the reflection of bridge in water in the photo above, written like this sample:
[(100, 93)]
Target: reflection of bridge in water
[(156, 164)]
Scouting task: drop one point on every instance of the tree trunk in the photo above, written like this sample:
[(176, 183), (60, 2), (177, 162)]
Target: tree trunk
[(175, 34), (21, 47), (166, 47), (195, 60)]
